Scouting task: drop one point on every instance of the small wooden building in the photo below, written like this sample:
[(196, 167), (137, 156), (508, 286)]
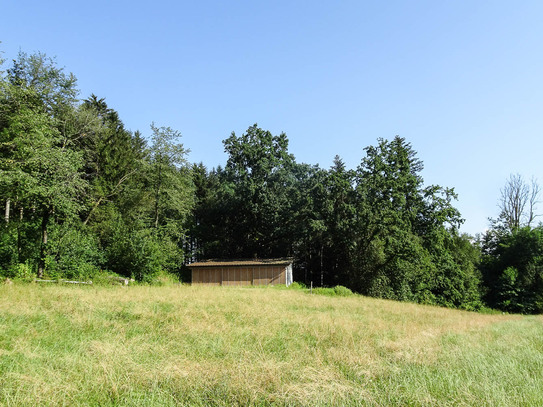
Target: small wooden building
[(242, 272)]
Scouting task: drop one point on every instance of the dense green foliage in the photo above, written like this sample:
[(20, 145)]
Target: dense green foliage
[(512, 267), (84, 195), (376, 229)]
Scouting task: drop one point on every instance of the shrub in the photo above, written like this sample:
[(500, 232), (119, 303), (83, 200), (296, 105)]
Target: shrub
[(164, 278), (297, 286), (141, 252), (342, 291), (107, 278), (337, 291), (21, 271), (75, 254), (8, 249)]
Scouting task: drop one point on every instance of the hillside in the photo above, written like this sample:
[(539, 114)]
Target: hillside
[(187, 345)]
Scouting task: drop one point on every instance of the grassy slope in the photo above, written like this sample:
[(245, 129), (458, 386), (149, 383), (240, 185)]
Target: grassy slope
[(213, 346)]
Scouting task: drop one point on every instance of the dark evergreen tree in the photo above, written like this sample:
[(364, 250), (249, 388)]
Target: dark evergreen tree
[(113, 158), (406, 232)]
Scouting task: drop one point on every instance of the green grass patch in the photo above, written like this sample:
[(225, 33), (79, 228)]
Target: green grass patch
[(201, 346), (337, 291)]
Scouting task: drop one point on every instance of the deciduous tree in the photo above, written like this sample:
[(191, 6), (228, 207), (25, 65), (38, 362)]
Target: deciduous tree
[(518, 202), (259, 168)]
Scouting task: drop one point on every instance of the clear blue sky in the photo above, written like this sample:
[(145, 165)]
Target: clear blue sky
[(461, 80)]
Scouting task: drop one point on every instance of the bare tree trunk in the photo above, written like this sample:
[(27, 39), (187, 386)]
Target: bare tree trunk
[(19, 240), (96, 204), (113, 192), (534, 199), (43, 249), (322, 271), (308, 265), (6, 215), (518, 201)]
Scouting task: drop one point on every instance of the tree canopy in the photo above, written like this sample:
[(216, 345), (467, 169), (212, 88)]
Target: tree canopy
[(83, 195)]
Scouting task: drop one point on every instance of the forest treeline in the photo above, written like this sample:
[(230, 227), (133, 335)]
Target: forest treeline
[(82, 195)]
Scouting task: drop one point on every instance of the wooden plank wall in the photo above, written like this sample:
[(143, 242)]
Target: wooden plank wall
[(240, 276)]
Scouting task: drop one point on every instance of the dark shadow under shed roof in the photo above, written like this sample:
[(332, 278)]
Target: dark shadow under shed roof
[(242, 262)]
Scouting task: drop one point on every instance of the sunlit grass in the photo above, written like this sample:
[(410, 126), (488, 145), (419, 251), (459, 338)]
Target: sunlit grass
[(182, 345)]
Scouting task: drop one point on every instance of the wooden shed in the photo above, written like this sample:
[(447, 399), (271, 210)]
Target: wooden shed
[(242, 272)]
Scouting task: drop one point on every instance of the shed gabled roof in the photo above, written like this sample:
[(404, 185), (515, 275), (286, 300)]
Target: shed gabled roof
[(242, 262)]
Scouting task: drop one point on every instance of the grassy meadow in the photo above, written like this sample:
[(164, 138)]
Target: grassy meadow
[(205, 346)]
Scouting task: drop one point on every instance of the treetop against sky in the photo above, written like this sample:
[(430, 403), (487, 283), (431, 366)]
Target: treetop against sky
[(459, 80)]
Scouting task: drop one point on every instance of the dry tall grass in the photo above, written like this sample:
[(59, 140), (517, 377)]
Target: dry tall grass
[(246, 346)]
